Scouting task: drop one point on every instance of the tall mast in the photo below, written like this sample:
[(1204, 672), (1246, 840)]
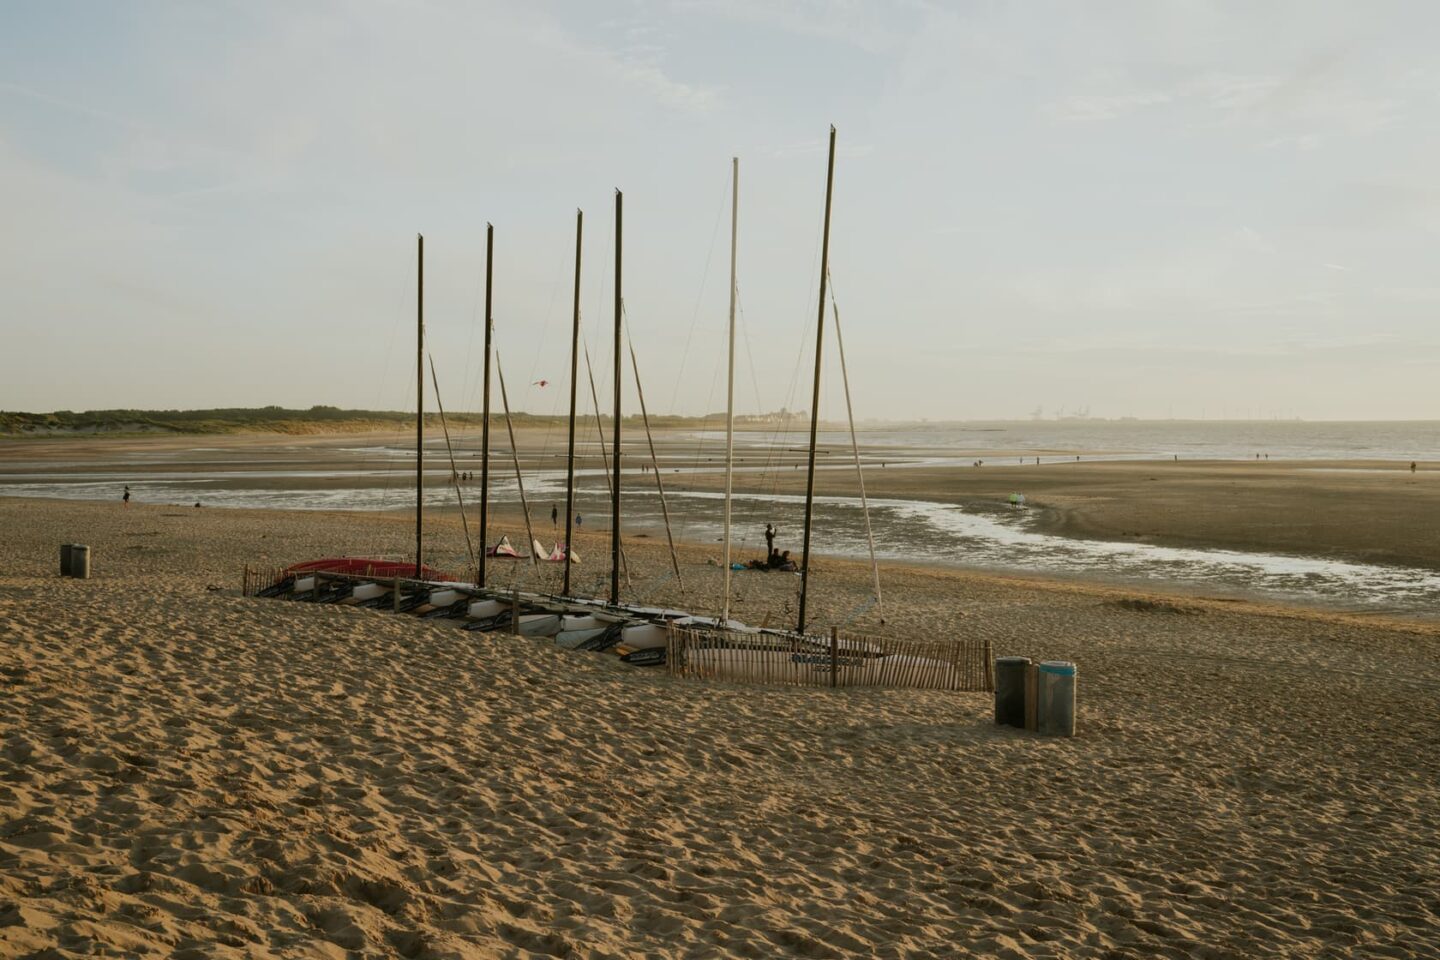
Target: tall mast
[(574, 383), (615, 489), (419, 404), (730, 382), (815, 401), (485, 415)]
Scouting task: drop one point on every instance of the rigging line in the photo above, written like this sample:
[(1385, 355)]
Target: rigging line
[(394, 478), (700, 294), (754, 382), (782, 426), (768, 462), (515, 456), (654, 463), (604, 454), (454, 474), (702, 440), (749, 352), (855, 448)]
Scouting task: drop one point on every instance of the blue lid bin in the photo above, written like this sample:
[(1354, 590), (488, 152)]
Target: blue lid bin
[(1056, 692)]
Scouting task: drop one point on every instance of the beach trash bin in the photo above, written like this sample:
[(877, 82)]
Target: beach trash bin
[(1057, 698), (1010, 691), (79, 561), (65, 549)]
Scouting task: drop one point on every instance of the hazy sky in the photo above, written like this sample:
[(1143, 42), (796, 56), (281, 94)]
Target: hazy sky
[(1141, 208)]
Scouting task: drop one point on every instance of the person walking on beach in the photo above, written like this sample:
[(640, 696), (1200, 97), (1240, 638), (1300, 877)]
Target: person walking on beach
[(769, 539), (1412, 466), (554, 515), (579, 521), (126, 499)]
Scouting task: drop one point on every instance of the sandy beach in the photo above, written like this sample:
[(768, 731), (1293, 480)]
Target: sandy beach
[(311, 306), (185, 772)]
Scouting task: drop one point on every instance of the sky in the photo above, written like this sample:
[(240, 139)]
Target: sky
[(1152, 208)]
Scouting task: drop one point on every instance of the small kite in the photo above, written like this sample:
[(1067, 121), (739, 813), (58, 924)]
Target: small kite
[(540, 383)]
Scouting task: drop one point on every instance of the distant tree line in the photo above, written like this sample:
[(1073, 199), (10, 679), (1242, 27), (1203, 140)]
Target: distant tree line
[(317, 419)]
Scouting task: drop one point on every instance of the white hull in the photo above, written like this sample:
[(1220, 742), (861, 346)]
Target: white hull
[(571, 639), (540, 625), (642, 636), (368, 591), (484, 609)]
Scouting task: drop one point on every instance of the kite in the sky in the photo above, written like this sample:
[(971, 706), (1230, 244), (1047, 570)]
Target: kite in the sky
[(540, 383)]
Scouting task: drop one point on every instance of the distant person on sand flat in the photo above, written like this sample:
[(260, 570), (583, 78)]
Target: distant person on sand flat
[(1412, 466), (126, 498), (554, 515), (769, 539), (579, 520)]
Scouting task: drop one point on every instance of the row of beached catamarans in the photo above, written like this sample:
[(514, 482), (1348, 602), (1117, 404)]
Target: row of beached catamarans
[(638, 635)]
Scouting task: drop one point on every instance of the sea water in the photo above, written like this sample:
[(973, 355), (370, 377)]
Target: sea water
[(378, 478)]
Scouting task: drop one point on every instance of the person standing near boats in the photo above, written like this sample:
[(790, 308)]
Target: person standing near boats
[(126, 498), (769, 539)]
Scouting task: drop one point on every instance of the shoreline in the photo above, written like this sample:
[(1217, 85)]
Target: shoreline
[(1332, 535), (445, 534)]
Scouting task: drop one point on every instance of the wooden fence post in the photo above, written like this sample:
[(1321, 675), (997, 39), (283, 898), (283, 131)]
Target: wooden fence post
[(834, 656)]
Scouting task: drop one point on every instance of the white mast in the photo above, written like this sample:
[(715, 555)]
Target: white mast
[(730, 382)]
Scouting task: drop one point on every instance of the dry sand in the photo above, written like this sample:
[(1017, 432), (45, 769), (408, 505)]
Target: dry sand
[(188, 773)]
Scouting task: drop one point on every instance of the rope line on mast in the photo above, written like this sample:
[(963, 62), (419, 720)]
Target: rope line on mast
[(855, 449), (604, 453), (699, 298), (454, 474), (654, 463), (515, 457)]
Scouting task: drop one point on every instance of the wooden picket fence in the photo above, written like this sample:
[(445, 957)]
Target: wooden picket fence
[(260, 578), (837, 661)]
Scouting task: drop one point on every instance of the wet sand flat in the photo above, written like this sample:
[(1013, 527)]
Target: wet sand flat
[(1372, 512), (185, 772), (1365, 511)]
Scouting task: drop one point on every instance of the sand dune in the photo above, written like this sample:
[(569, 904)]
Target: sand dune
[(187, 773)]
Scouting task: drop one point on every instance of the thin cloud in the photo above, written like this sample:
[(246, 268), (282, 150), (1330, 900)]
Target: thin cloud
[(1088, 109), (859, 25)]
